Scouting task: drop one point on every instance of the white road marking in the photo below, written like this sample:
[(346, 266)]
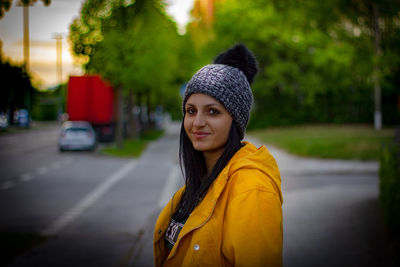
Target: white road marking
[(39, 171), (8, 184), (25, 177), (42, 170), (89, 200), (67, 161), (55, 165), (169, 187)]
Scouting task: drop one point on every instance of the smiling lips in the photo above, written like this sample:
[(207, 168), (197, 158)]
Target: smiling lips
[(200, 135)]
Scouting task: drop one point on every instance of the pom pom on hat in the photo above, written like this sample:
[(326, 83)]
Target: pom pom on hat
[(239, 57)]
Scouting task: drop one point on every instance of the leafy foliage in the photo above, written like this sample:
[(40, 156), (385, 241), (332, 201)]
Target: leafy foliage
[(316, 57), (16, 90), (6, 4), (132, 45)]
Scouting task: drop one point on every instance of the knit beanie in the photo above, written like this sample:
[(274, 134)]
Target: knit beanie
[(228, 80)]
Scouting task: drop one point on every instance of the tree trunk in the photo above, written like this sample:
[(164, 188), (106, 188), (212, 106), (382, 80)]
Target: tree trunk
[(120, 121), (149, 107), (377, 74), (140, 112), (132, 126)]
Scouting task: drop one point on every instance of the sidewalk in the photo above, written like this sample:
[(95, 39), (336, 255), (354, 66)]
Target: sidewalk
[(331, 212)]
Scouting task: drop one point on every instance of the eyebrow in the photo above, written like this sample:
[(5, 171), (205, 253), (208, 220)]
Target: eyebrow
[(208, 105)]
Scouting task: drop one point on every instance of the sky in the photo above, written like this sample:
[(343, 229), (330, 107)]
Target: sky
[(44, 23)]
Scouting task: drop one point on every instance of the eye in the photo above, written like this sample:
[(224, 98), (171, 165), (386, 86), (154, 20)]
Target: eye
[(214, 111), (190, 110)]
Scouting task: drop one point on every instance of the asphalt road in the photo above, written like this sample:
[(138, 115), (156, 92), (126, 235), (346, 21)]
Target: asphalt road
[(94, 209), (100, 211)]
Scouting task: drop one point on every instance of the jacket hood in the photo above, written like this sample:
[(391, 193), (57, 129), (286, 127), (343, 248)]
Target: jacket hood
[(251, 157)]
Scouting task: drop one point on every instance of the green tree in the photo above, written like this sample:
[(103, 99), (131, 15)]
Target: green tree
[(16, 90), (6, 4), (298, 61), (316, 61), (376, 23), (133, 46)]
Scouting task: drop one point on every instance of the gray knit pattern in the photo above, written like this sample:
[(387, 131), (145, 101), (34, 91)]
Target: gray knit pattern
[(229, 86)]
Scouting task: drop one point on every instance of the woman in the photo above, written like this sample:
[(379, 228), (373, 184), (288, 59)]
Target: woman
[(229, 211)]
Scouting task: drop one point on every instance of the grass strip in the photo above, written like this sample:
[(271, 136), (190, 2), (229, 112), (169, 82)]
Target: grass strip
[(360, 142), (132, 147)]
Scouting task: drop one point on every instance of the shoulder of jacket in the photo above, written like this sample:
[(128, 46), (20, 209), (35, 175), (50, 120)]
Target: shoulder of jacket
[(248, 180)]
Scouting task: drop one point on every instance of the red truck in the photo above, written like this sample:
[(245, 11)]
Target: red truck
[(91, 99)]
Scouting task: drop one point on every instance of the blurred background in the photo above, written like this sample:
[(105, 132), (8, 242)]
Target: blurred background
[(328, 89)]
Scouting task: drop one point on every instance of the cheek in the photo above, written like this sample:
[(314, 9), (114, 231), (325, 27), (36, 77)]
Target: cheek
[(227, 130), (186, 125), (224, 129)]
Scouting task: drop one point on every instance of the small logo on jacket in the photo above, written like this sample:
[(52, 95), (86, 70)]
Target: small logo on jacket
[(174, 228)]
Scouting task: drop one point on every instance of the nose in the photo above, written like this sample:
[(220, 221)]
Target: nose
[(199, 120)]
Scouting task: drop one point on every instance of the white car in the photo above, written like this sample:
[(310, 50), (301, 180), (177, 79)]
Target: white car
[(77, 135)]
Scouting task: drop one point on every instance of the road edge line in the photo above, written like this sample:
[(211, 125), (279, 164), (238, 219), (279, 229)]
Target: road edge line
[(169, 187), (72, 214)]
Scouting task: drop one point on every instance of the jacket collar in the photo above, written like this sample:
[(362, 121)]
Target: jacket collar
[(204, 210)]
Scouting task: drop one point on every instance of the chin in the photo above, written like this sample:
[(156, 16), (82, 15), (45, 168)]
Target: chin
[(200, 147)]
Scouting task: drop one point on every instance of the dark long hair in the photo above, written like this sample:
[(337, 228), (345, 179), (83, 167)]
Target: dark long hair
[(194, 170)]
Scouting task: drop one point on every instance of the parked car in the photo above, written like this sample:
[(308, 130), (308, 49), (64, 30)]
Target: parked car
[(77, 135)]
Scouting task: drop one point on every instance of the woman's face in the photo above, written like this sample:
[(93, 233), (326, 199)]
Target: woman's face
[(207, 123)]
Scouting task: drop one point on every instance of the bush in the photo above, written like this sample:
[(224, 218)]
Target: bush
[(389, 174), (43, 112)]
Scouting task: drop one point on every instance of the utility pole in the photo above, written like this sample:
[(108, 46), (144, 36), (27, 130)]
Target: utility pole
[(26, 47), (26, 37), (58, 37), (26, 34)]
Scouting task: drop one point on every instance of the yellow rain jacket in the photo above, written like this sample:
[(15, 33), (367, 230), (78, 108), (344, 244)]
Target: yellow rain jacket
[(238, 222)]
